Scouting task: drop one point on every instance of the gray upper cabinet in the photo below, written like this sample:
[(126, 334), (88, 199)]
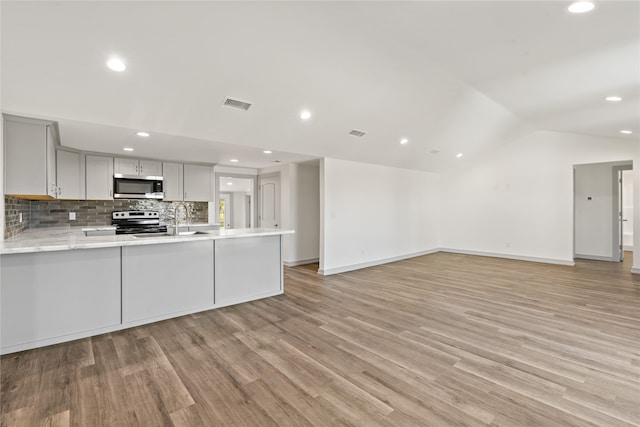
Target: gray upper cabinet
[(70, 175), (173, 183), (29, 157), (125, 166), (150, 168), (99, 177), (128, 166), (197, 183)]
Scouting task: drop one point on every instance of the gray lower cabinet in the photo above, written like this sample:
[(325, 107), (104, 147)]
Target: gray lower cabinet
[(57, 296), (247, 268), (48, 295), (161, 280)]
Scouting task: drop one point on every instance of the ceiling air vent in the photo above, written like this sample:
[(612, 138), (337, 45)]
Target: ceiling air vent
[(357, 133), (234, 103)]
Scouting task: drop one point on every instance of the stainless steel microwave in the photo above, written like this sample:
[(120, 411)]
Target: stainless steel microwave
[(137, 187)]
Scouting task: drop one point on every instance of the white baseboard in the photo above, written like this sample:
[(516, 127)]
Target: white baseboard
[(345, 268), (568, 262), (596, 258), (627, 248), (300, 262), (635, 270)]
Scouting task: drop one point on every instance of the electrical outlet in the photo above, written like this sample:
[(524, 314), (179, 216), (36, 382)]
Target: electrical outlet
[(72, 216)]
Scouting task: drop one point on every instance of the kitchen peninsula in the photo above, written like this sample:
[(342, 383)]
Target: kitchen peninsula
[(58, 285)]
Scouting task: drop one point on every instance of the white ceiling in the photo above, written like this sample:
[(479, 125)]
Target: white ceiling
[(451, 76)]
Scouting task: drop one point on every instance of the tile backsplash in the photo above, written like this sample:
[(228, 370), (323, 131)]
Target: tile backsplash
[(55, 213), (12, 209)]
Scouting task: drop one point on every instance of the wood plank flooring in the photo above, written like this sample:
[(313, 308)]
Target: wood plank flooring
[(439, 340)]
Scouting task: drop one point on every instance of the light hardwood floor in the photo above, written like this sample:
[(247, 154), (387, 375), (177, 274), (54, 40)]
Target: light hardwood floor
[(439, 340)]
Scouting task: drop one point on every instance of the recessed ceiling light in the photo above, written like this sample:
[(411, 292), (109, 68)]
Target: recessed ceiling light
[(358, 133), (229, 183), (267, 151), (127, 149), (116, 64), (459, 155), (581, 7), (305, 115), (234, 160), (626, 131), (143, 134), (613, 98), (404, 141)]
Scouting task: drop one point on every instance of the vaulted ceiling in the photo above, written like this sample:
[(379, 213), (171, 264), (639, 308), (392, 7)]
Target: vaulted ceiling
[(450, 76)]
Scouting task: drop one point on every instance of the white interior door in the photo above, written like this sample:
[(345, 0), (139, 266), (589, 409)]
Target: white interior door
[(226, 214), (627, 210), (269, 197), (620, 217)]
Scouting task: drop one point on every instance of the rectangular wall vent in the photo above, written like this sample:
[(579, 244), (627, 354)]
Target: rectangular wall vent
[(357, 133), (234, 103)]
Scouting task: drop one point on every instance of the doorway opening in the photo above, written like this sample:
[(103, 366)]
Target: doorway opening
[(235, 195), (601, 213)]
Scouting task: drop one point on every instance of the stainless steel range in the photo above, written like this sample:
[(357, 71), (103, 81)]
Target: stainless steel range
[(137, 222)]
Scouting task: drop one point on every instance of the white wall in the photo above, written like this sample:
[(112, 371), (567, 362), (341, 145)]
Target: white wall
[(517, 201), (594, 209), (374, 214)]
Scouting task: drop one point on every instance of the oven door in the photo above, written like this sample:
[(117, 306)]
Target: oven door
[(125, 187)]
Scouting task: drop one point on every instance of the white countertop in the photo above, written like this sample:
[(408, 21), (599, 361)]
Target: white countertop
[(62, 239)]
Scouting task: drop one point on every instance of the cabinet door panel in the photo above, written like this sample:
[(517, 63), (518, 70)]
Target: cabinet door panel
[(25, 158), (125, 166), (158, 280), (247, 268), (69, 175), (197, 183), (173, 184), (46, 295), (99, 177), (150, 168)]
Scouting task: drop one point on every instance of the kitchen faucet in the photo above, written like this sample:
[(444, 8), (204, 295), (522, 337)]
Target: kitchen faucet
[(187, 216)]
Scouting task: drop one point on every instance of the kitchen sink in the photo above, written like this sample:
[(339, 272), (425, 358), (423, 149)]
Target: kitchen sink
[(140, 236), (181, 234)]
